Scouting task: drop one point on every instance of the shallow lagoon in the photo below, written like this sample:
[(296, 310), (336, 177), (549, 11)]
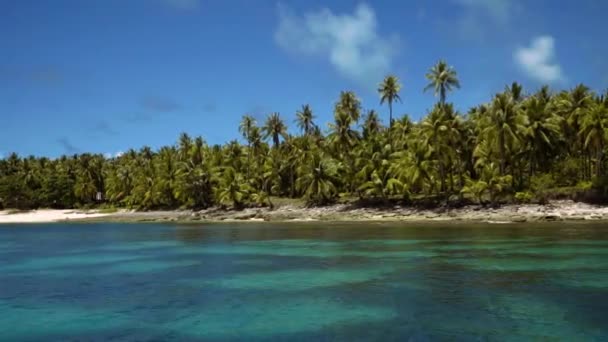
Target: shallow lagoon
[(313, 281)]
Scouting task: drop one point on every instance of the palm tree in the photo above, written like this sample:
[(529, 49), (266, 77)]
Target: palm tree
[(402, 129), (442, 78), (233, 189), (185, 144), (275, 128), (439, 131), (414, 166), (304, 119), (593, 130), (543, 130), (350, 105), (248, 122), (371, 124), (342, 136), (516, 91), (503, 125), (389, 92), (318, 179)]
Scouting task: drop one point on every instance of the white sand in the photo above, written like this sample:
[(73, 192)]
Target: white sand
[(47, 215)]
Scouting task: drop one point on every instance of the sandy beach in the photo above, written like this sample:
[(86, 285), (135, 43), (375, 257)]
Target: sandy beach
[(554, 211), (47, 215)]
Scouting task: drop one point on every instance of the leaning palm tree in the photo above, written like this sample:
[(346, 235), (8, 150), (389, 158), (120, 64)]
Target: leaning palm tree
[(275, 128), (389, 92), (304, 119), (442, 78)]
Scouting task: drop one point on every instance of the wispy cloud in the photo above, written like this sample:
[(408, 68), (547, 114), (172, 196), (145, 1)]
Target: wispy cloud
[(49, 75), (183, 4), (137, 117), (478, 15), (350, 42), (538, 60), (259, 112), (105, 128), (498, 10), (159, 104), (68, 147), (209, 107)]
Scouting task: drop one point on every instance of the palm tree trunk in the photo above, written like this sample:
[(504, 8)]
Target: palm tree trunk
[(598, 168), (390, 123), (441, 166), (501, 141), (293, 182), (248, 158)]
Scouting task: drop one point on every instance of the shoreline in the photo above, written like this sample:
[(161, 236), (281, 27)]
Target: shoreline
[(512, 213)]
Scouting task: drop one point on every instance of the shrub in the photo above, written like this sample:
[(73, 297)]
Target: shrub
[(542, 182), (584, 186), (523, 197)]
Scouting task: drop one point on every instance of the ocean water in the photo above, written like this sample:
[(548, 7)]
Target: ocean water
[(306, 282)]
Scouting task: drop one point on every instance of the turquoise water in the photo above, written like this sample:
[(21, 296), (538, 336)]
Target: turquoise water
[(305, 282)]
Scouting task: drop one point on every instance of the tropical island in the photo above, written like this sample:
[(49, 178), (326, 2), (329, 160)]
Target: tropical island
[(510, 158)]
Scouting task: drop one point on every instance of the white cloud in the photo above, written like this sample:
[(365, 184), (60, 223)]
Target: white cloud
[(538, 60), (350, 42), (113, 155), (183, 4)]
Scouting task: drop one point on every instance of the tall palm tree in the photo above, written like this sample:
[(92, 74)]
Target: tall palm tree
[(389, 92), (438, 130), (371, 125), (503, 125), (516, 91), (304, 119), (185, 144), (543, 130), (442, 78), (248, 122), (274, 127), (402, 129), (593, 130), (342, 136), (350, 105)]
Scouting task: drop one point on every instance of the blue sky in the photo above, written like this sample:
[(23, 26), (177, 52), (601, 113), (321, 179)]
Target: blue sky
[(106, 75)]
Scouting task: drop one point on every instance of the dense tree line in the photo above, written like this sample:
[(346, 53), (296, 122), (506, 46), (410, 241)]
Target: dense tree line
[(519, 146)]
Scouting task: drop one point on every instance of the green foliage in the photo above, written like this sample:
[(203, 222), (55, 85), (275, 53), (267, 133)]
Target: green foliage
[(523, 197), (538, 145), (543, 182), (477, 189), (584, 185)]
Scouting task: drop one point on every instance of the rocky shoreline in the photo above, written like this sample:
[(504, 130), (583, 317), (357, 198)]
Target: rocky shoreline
[(554, 211)]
